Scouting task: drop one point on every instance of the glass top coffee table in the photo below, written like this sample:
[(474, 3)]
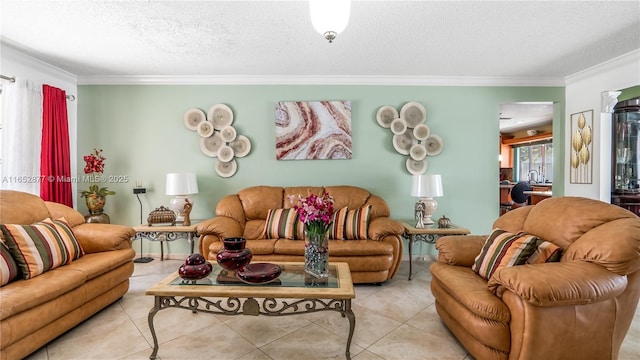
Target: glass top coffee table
[(293, 292)]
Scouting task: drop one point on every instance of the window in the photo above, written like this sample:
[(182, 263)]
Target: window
[(534, 162)]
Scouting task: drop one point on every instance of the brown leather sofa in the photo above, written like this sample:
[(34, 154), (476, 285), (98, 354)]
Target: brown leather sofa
[(578, 308), (35, 311), (372, 260)]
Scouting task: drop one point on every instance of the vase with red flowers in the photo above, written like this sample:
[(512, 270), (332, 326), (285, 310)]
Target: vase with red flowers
[(95, 196), (316, 213)]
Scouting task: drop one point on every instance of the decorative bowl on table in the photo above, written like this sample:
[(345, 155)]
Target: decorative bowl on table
[(196, 267), (259, 273)]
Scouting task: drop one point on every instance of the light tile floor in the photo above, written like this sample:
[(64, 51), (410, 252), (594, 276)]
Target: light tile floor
[(394, 321)]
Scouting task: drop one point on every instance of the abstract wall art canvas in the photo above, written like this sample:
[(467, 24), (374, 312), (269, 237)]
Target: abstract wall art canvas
[(313, 130)]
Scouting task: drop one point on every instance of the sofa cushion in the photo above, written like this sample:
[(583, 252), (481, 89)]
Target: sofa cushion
[(357, 248), (20, 295), (36, 248), (503, 249), (356, 223), (8, 267), (545, 251), (281, 223)]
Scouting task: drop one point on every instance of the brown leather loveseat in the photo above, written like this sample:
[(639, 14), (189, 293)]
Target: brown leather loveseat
[(373, 259), (579, 307), (35, 311)]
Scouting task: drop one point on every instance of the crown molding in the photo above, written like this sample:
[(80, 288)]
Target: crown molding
[(10, 52), (319, 80), (630, 58)]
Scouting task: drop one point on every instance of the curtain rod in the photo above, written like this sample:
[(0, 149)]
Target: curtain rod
[(13, 79), (10, 79)]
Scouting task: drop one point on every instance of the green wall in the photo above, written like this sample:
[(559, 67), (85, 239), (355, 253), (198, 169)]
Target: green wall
[(629, 93), (141, 130)]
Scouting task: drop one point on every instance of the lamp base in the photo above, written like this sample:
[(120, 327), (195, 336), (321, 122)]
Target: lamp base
[(143, 260), (430, 206), (181, 205)]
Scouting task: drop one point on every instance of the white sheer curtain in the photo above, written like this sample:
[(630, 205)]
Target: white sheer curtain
[(21, 134)]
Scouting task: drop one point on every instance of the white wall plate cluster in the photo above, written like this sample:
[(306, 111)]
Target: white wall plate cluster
[(218, 138), (411, 135)]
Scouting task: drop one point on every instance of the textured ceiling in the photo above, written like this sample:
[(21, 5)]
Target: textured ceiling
[(508, 39)]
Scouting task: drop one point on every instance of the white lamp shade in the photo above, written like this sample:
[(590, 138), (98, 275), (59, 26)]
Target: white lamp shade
[(181, 184), (329, 15), (426, 186)]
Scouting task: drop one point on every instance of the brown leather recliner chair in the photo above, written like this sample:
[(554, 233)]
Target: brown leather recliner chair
[(578, 308)]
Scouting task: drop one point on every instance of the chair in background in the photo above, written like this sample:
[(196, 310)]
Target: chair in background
[(518, 196)]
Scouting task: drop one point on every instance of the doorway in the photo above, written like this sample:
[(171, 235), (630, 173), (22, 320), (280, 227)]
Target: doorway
[(526, 149)]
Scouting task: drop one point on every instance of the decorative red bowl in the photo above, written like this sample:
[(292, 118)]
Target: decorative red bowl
[(259, 273)]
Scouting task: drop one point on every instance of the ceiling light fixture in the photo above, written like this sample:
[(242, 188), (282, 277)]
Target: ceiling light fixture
[(330, 17)]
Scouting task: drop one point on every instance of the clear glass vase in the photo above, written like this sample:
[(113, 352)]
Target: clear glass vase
[(316, 254)]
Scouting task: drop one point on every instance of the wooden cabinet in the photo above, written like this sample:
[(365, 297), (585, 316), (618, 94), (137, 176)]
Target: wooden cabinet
[(506, 153), (534, 198)]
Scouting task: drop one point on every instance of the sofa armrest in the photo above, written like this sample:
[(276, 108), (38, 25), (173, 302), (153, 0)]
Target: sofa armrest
[(559, 284), (459, 250), (381, 227), (220, 226), (103, 237)]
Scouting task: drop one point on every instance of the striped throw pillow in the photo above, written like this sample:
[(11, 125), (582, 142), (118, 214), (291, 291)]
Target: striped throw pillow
[(356, 223), (281, 223), (36, 248), (8, 267), (503, 249), (336, 230), (544, 252), (69, 239)]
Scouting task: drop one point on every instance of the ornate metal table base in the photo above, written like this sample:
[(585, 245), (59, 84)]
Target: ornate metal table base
[(163, 236), (428, 238), (251, 306), (429, 235)]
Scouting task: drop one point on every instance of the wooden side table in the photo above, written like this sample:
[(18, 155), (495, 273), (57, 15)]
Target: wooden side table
[(166, 233), (429, 235)]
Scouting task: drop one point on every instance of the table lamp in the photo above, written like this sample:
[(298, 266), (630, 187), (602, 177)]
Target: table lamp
[(426, 187), (181, 186)]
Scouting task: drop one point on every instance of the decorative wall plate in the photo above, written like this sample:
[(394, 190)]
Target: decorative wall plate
[(226, 169), (414, 113), (225, 153), (416, 167), (220, 115), (434, 145), (193, 117), (241, 146), (398, 126), (228, 133), (421, 131), (402, 143), (205, 129), (385, 116), (418, 152), (209, 146)]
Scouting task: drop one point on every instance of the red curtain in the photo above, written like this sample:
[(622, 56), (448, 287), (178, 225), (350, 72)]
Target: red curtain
[(55, 161)]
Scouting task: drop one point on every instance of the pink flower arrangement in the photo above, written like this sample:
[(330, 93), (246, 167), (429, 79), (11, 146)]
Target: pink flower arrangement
[(315, 212)]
